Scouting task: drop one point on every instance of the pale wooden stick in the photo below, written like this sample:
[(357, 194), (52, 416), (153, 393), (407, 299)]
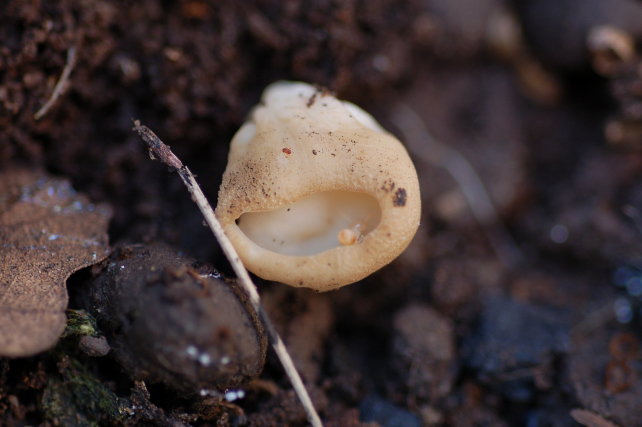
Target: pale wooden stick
[(60, 86), (157, 149)]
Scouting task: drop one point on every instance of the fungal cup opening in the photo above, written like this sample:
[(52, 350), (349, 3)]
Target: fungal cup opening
[(313, 224)]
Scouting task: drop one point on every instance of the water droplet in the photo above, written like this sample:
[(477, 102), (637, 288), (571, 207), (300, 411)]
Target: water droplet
[(204, 359), (622, 276), (192, 351), (622, 310), (634, 286), (559, 234)]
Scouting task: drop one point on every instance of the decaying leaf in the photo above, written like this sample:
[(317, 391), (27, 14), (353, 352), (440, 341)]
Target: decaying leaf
[(590, 419), (47, 232)]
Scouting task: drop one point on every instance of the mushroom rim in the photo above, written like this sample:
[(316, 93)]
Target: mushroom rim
[(314, 223)]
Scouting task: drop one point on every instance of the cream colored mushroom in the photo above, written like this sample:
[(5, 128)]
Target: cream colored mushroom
[(316, 193)]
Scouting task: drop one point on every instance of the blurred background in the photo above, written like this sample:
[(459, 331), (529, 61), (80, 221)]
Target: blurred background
[(517, 303)]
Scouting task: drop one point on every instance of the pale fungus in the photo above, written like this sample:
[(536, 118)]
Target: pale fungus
[(316, 193)]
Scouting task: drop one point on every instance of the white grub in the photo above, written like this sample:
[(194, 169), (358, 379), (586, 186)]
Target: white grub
[(303, 169)]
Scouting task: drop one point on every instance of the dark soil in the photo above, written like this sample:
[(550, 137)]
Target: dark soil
[(475, 324)]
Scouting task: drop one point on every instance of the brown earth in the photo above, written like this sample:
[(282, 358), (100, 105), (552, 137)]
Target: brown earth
[(476, 323)]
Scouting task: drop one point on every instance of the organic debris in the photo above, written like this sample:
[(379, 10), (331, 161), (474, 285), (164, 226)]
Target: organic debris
[(77, 398), (60, 86), (158, 149), (590, 419), (563, 177), (47, 232)]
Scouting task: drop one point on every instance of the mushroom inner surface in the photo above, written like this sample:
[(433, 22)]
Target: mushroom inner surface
[(311, 225)]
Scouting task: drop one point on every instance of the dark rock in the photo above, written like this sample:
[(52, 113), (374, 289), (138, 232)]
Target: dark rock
[(170, 323), (387, 414), (517, 337)]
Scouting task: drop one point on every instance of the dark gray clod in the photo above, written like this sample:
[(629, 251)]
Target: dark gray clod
[(168, 322), (514, 336)]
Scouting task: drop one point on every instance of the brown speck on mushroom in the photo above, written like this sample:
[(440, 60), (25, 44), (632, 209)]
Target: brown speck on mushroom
[(311, 100), (287, 151), (314, 152), (399, 199)]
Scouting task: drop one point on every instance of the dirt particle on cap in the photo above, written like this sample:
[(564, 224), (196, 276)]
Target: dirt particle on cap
[(287, 151), (311, 100), (399, 199)]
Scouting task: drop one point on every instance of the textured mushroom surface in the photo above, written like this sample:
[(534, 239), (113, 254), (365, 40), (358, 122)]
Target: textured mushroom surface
[(316, 193)]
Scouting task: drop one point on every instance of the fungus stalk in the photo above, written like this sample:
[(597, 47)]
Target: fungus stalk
[(158, 150)]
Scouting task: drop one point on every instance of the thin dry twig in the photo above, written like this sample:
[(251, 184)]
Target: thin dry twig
[(158, 150), (60, 86), (423, 145), (593, 321)]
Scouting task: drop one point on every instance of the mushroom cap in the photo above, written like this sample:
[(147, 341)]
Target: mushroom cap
[(307, 161)]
